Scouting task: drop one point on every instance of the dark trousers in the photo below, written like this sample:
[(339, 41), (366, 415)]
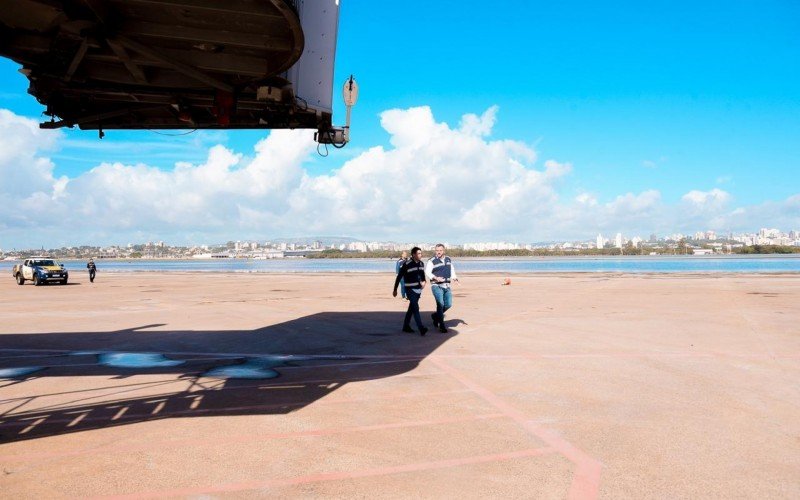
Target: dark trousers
[(91, 275), (413, 308)]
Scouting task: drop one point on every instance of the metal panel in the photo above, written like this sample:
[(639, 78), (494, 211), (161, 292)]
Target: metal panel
[(312, 74)]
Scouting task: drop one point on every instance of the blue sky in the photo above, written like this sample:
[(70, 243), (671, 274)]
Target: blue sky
[(635, 97), (711, 88)]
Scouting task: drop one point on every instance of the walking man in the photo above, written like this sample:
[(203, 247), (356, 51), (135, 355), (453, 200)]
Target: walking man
[(413, 273), (402, 260), (441, 273), (92, 270)]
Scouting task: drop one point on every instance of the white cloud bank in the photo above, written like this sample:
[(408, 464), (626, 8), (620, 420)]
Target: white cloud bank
[(434, 182)]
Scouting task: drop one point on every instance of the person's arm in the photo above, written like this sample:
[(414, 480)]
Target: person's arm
[(453, 275), (429, 270), (397, 279)]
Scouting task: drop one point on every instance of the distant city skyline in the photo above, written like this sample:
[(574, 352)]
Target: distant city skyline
[(764, 236)]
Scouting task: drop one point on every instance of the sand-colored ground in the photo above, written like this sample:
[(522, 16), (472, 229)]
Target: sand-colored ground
[(575, 386)]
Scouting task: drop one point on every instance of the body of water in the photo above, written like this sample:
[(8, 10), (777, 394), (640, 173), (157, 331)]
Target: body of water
[(631, 264)]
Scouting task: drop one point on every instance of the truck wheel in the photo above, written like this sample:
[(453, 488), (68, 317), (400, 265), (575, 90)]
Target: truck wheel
[(64, 281), (20, 279), (36, 280)]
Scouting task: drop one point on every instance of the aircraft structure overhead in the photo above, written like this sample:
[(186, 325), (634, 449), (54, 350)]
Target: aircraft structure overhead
[(177, 64)]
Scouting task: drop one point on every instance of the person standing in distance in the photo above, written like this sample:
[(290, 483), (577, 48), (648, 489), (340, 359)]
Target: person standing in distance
[(441, 273), (402, 260), (92, 270), (413, 273)]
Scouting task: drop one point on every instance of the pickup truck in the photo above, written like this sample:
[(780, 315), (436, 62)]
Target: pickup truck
[(40, 270)]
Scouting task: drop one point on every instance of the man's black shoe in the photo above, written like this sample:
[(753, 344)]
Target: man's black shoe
[(435, 321), (423, 331), (408, 329), (442, 328)]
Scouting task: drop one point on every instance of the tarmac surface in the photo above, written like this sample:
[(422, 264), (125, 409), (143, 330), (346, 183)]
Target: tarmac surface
[(557, 386)]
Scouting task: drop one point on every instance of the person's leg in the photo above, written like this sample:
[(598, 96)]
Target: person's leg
[(413, 299), (409, 312), (447, 300), (437, 295)]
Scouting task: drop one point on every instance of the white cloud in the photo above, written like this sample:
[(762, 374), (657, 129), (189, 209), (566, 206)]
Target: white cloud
[(434, 182), (27, 183), (434, 178), (473, 183), (654, 163), (714, 199), (632, 205), (586, 199), (479, 125)]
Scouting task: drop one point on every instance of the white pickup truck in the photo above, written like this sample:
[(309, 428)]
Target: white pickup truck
[(40, 270)]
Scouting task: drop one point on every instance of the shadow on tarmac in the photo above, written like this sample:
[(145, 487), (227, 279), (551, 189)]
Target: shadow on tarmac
[(271, 370)]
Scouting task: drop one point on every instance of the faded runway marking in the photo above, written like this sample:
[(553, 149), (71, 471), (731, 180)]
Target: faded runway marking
[(338, 476), (250, 438), (586, 477)]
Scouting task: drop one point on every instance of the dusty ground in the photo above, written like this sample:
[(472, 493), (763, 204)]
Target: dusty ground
[(556, 386)]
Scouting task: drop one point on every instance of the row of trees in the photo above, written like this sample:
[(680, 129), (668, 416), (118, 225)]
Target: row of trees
[(680, 249)]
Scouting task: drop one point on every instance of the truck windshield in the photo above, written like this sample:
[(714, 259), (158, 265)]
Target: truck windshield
[(45, 262)]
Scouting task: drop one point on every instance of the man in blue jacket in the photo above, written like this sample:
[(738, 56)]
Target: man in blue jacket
[(402, 260), (441, 273), (92, 270)]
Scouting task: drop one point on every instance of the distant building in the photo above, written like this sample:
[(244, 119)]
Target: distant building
[(600, 242), (618, 240), (483, 247), (765, 233)]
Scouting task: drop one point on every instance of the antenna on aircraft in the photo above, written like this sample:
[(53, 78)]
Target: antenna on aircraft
[(350, 94), (339, 136)]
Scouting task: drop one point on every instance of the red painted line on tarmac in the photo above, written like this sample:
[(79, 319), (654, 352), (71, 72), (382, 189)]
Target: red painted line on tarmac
[(586, 476), (250, 438), (337, 476)]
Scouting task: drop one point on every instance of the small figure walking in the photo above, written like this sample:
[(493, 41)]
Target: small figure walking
[(399, 264), (441, 272), (92, 270), (413, 273)]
